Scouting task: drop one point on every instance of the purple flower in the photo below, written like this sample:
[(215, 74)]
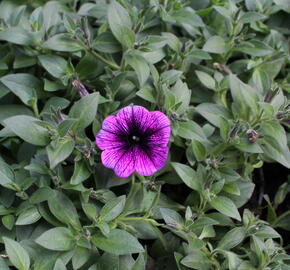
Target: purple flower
[(134, 140)]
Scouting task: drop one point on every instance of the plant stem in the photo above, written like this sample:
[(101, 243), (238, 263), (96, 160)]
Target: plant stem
[(150, 220), (104, 60), (35, 109), (142, 178), (98, 56)]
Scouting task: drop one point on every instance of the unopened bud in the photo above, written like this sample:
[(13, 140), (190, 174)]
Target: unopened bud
[(270, 95), (233, 132), (81, 88), (175, 226), (57, 116), (287, 121), (252, 135), (222, 68), (86, 30), (87, 153)]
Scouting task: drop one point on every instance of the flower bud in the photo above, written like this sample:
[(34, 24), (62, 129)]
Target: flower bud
[(57, 116), (252, 135), (233, 132), (81, 88), (222, 68), (270, 95)]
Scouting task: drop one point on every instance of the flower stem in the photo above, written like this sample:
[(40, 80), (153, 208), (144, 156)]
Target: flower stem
[(35, 109), (141, 178), (98, 56), (150, 220), (104, 60)]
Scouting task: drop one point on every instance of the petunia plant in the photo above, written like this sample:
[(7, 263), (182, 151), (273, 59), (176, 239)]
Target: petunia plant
[(144, 135)]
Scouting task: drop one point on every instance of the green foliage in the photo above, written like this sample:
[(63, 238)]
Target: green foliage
[(217, 68)]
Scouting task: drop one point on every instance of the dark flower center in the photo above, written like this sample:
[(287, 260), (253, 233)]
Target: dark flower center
[(134, 139)]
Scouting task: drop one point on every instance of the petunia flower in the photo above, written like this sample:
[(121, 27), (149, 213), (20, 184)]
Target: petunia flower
[(134, 140)]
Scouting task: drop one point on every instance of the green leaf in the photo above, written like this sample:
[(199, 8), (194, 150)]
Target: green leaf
[(28, 216), (59, 238), (17, 35), (25, 86), (80, 257), (251, 16), (272, 149), (272, 68), (112, 209), (64, 210), (283, 3), (18, 256), (50, 86), (234, 262), (187, 16), (199, 54), (23, 61), (198, 150), (8, 221), (55, 65), (107, 43), (55, 103), (267, 232), (147, 94), (191, 130), (42, 194), (246, 265), (254, 48), (141, 67), (227, 13), (64, 127), (7, 111), (85, 111), (226, 207), (59, 265), (244, 96), (187, 174), (120, 24), (246, 189), (62, 43), (248, 147), (171, 217), (81, 173), (3, 265), (57, 154), (117, 242), (206, 79), (140, 263), (173, 42), (232, 238), (197, 260), (215, 44), (170, 76), (213, 112), (28, 129), (202, 222), (6, 174), (232, 188), (274, 129)]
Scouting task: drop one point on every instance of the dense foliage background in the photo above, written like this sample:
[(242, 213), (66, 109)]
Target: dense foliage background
[(218, 69)]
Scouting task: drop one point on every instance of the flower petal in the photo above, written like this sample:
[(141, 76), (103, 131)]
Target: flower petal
[(150, 160), (121, 160), (135, 117), (158, 131), (110, 135)]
